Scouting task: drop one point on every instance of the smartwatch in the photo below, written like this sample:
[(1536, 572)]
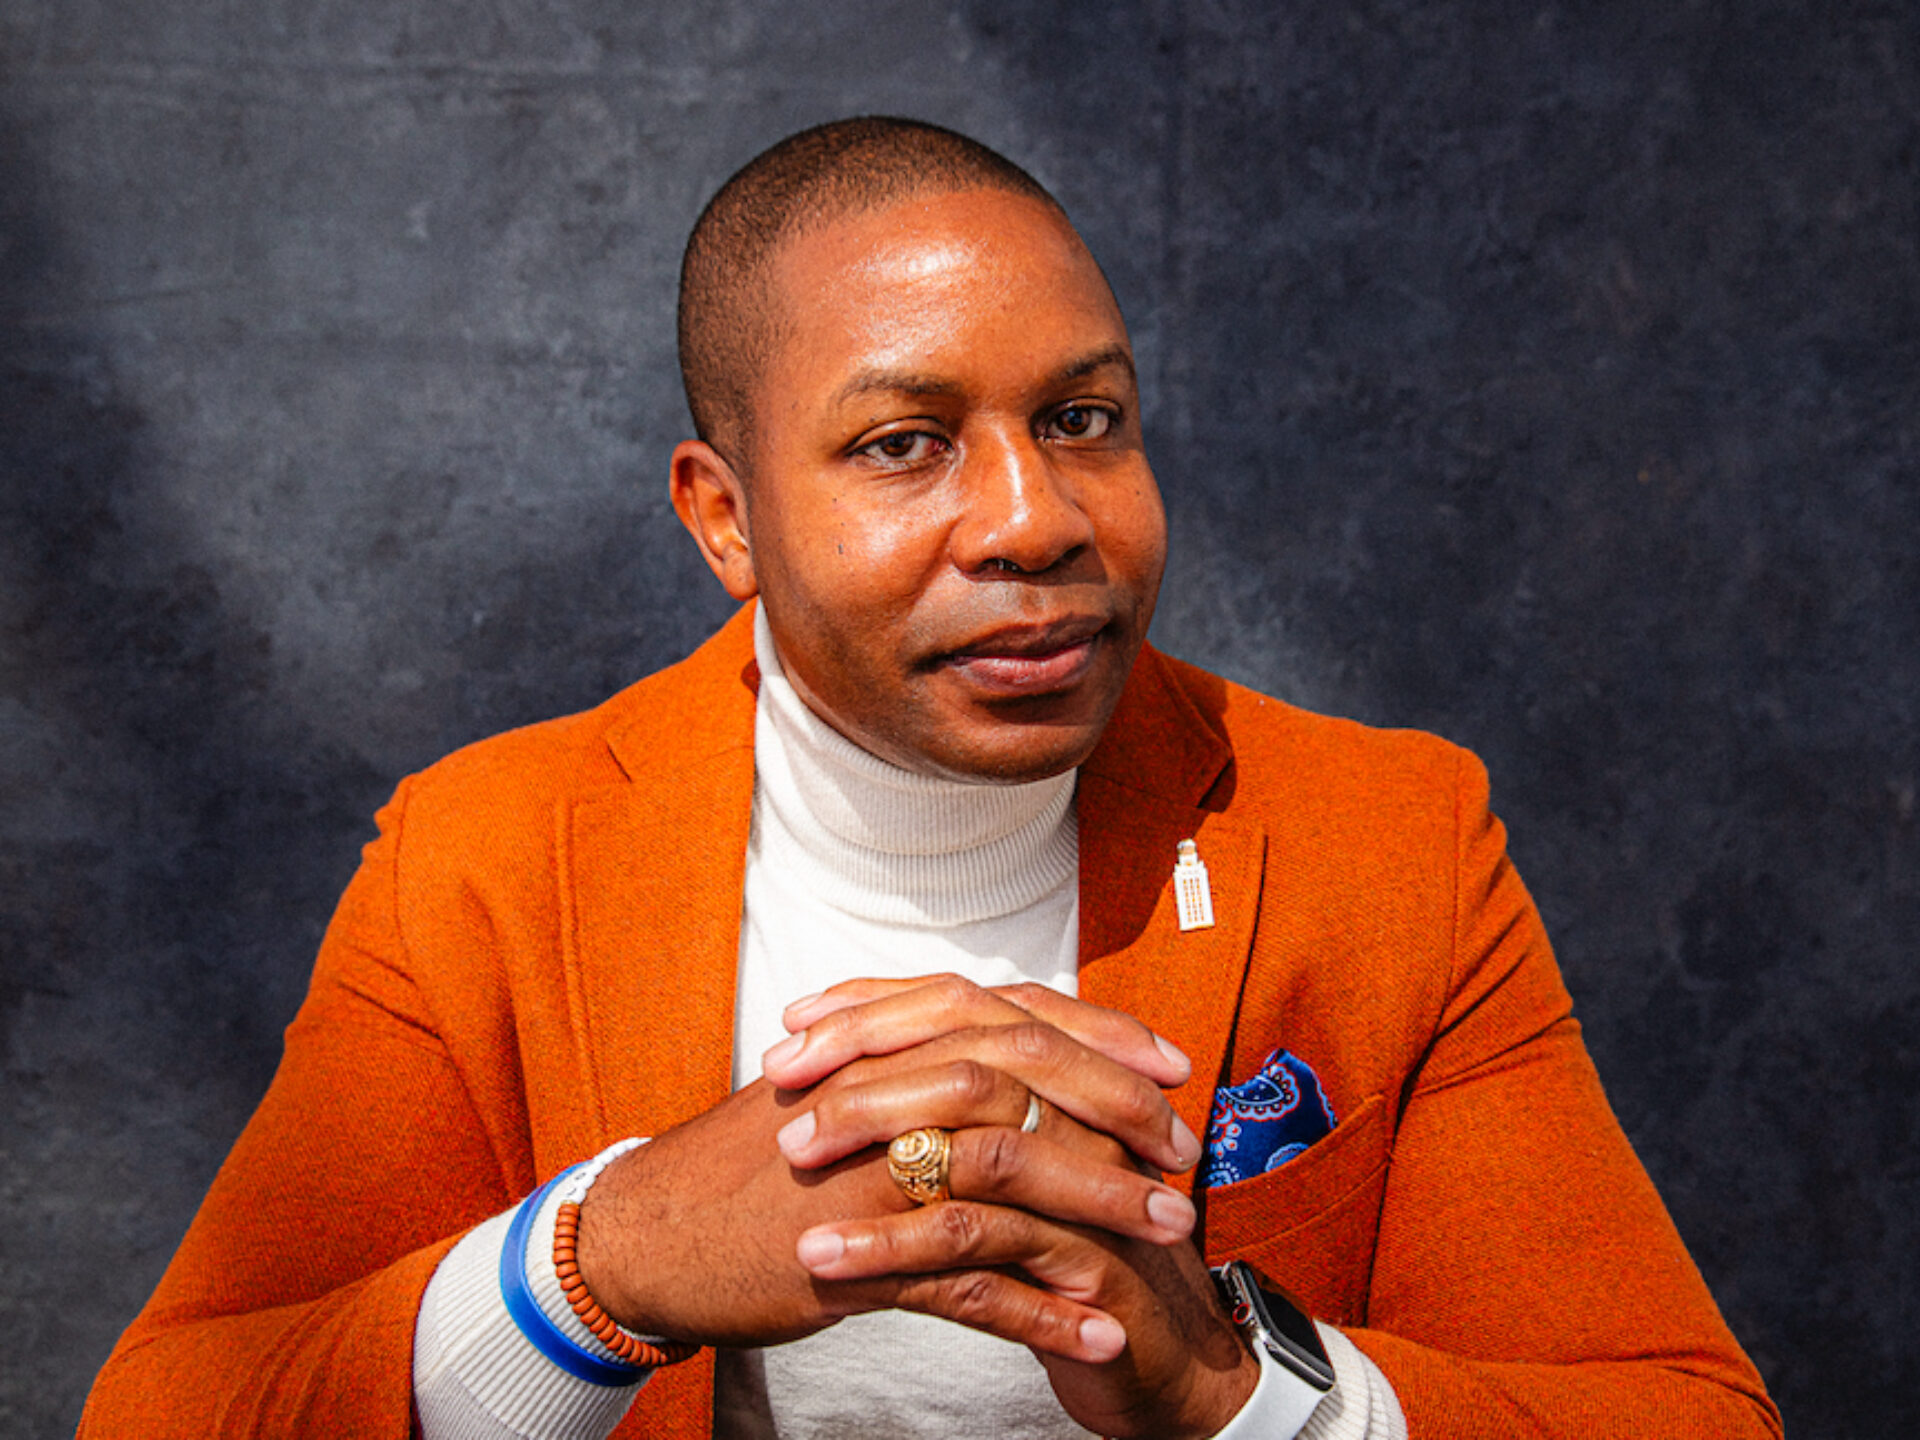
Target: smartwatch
[(1273, 1324)]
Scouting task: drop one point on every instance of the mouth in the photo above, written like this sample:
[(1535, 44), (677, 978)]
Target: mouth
[(1027, 660)]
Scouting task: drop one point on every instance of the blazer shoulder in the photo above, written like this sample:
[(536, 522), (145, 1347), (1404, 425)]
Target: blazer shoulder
[(697, 707), (1282, 753)]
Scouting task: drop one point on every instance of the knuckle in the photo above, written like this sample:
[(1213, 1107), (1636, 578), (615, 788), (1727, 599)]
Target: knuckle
[(836, 1026), (1025, 993), (1139, 1104), (1057, 1326), (999, 1154), (1109, 1151), (846, 1107), (961, 1229), (971, 1083), (1120, 1191), (973, 1295), (954, 990), (1033, 1041), (1127, 1027)]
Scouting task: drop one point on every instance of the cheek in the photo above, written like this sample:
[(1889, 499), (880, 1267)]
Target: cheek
[(858, 594), (885, 557), (1135, 538)]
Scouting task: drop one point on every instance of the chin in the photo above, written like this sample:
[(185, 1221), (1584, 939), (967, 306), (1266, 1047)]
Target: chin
[(1031, 752), (1000, 743)]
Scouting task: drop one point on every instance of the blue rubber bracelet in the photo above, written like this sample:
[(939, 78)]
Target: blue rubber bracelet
[(545, 1336)]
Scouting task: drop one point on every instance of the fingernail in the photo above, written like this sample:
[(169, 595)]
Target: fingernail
[(1186, 1144), (803, 1002), (1171, 1210), (1101, 1338), (796, 1134), (1176, 1057), (820, 1248), (786, 1050)]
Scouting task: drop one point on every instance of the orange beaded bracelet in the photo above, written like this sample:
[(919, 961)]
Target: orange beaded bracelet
[(624, 1343)]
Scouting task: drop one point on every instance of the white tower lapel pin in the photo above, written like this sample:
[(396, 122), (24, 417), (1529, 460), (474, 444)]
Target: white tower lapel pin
[(1190, 889)]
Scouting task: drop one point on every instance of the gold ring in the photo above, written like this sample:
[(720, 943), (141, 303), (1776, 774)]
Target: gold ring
[(920, 1162), (1036, 1107)]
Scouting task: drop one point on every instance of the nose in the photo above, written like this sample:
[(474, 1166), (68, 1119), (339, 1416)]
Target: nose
[(1020, 512)]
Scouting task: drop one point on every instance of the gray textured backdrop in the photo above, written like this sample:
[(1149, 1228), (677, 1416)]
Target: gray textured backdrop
[(1541, 374)]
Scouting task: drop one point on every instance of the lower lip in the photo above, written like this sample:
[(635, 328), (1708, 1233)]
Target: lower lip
[(1028, 674)]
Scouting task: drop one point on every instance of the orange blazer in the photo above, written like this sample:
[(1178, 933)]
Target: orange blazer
[(537, 957)]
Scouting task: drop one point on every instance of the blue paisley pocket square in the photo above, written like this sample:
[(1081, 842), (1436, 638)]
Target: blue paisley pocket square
[(1261, 1123)]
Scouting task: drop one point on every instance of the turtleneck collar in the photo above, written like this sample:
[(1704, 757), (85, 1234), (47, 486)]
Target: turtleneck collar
[(889, 845)]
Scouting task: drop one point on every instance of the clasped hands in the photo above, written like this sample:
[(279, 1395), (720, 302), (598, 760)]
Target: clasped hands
[(773, 1215)]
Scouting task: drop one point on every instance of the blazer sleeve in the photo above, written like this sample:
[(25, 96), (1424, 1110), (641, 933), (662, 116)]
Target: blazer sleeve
[(289, 1308), (1527, 1279)]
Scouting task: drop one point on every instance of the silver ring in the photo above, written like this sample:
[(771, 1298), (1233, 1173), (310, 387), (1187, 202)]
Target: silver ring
[(1035, 1108)]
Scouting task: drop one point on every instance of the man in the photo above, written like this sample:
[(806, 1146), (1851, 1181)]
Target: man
[(1154, 907)]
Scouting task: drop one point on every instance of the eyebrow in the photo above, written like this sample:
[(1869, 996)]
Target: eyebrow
[(1101, 359), (912, 382)]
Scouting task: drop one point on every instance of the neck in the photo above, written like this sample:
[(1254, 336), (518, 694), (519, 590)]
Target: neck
[(893, 845)]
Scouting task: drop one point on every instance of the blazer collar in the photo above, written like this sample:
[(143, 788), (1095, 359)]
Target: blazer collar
[(653, 872), (651, 879), (1158, 777)]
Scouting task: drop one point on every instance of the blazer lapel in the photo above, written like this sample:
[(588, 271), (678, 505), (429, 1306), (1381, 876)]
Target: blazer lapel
[(1139, 796), (652, 872), (1134, 957), (652, 941)]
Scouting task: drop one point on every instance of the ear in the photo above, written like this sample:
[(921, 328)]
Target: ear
[(711, 502)]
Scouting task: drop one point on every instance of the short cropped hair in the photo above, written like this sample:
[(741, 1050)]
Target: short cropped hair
[(726, 321)]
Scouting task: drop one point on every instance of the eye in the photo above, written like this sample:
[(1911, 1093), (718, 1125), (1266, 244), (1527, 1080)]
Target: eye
[(1080, 422), (902, 447)]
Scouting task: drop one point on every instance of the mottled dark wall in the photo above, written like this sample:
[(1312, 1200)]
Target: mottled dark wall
[(1545, 375)]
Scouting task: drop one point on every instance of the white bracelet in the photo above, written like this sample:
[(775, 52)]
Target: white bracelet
[(581, 1181)]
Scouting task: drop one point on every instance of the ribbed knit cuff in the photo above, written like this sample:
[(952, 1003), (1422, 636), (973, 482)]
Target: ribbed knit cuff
[(1361, 1405), (476, 1377)]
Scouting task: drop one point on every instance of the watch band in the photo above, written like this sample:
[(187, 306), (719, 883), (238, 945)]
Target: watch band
[(1273, 1324)]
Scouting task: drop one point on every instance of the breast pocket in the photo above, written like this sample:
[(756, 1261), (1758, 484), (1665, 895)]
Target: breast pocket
[(1310, 1225)]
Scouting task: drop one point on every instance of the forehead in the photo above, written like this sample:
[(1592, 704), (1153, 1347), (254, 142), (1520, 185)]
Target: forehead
[(929, 281)]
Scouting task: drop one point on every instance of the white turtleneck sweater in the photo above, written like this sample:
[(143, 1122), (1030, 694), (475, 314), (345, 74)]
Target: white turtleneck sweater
[(854, 868)]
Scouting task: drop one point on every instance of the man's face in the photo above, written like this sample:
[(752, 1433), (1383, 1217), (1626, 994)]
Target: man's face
[(949, 513)]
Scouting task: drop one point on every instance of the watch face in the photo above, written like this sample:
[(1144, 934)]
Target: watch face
[(1275, 1323), (1299, 1347)]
